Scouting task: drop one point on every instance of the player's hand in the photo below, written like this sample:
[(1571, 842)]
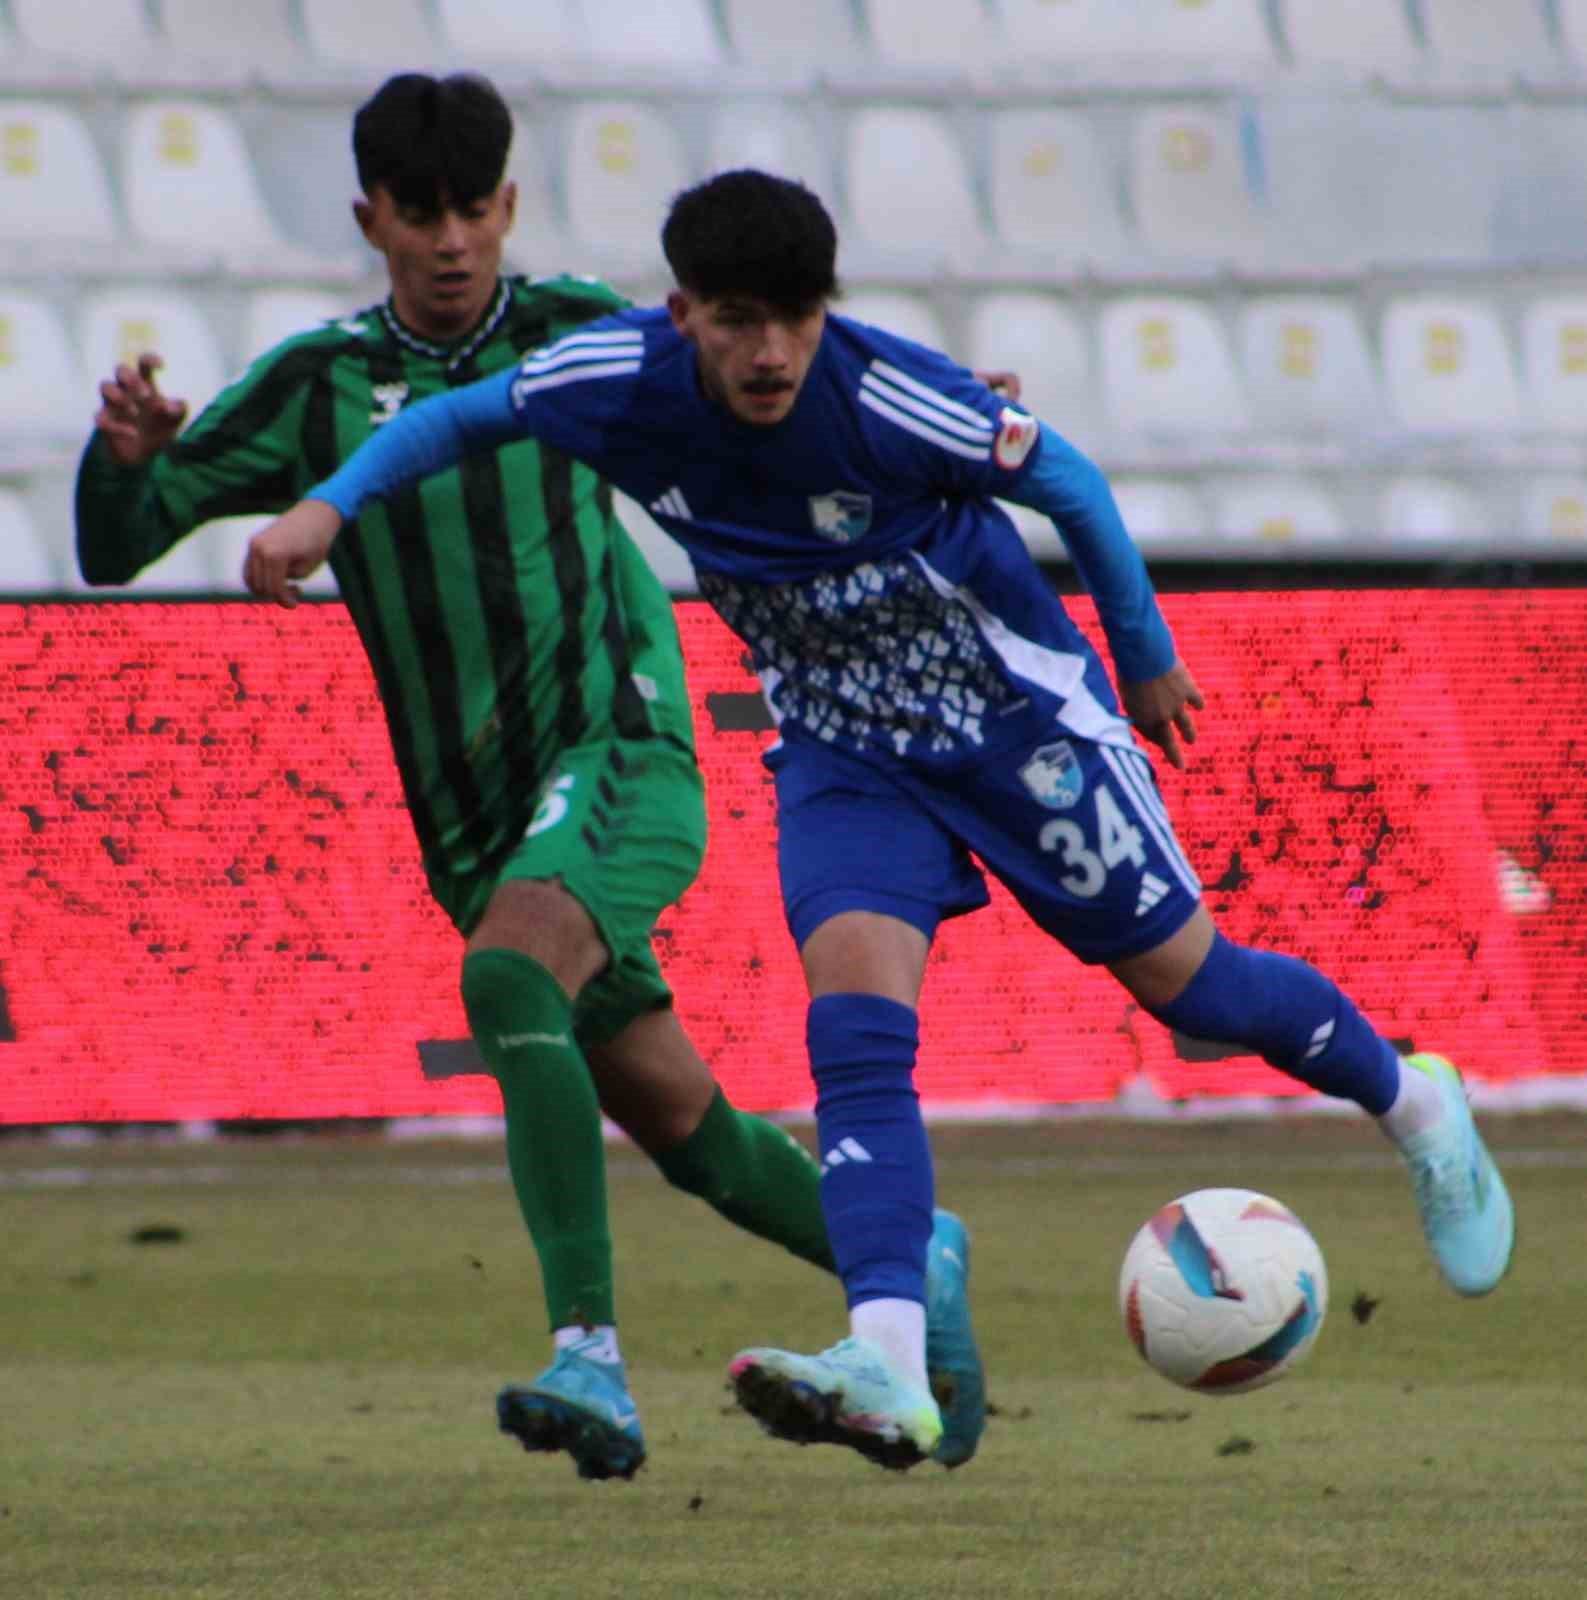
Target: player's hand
[(1160, 707), (1006, 384), (289, 550), (138, 422)]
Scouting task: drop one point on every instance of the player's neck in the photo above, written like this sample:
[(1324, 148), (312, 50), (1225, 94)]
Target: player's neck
[(443, 328)]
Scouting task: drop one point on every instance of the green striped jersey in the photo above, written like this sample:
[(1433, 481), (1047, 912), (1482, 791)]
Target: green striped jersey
[(506, 613)]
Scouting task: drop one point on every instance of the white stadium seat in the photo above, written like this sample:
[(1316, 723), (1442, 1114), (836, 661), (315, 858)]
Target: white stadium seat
[(1162, 514), (1487, 36), (1191, 187), (1167, 367), (97, 33), (340, 31), (44, 396), (945, 35), (120, 324), (1287, 513), (538, 241), (910, 316), (1307, 365), (250, 35), (771, 135), (273, 315), (1050, 188), (494, 30), (1423, 510), (1368, 40), (53, 187), (1229, 36), (1039, 337), (1068, 35), (625, 162), (799, 39), (908, 183), (1447, 366), (190, 186), (1554, 359), (1554, 509), (659, 33), (1233, 34), (26, 565)]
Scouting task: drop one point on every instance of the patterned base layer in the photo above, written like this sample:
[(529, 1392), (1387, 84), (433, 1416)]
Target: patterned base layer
[(211, 904)]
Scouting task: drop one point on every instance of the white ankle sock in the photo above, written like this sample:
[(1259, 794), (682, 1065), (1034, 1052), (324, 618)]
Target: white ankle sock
[(1416, 1108), (898, 1327), (599, 1343)]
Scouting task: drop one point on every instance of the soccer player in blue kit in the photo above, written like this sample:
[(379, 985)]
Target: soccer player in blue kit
[(834, 486)]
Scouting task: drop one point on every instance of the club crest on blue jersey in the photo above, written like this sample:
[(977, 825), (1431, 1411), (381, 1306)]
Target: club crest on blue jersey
[(1053, 775), (841, 516)]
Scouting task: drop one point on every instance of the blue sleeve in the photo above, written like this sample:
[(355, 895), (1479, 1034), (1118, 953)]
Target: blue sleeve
[(435, 434), (1071, 489)]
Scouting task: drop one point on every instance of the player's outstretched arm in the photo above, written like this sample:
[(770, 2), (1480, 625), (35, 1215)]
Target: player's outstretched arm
[(1160, 708), (291, 549)]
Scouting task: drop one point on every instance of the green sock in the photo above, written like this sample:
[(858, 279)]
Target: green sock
[(523, 1025), (756, 1175)]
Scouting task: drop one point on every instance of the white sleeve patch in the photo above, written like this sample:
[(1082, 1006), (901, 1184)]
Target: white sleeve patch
[(1017, 432)]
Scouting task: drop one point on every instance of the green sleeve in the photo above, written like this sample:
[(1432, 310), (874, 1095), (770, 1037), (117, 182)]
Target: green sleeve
[(240, 457)]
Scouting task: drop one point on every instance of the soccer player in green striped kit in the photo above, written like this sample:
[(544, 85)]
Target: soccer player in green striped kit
[(533, 683)]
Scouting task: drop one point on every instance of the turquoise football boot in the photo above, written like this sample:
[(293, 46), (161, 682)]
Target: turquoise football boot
[(1465, 1207), (579, 1405), (847, 1395), (953, 1363)]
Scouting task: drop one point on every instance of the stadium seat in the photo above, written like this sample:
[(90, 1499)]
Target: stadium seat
[(190, 187), (789, 39), (1307, 365), (1163, 515), (770, 134), (276, 314), (1487, 38), (185, 569), (26, 566), (1231, 34), (98, 34), (624, 164), (671, 34), (1167, 367), (1039, 33), (248, 36), (1277, 510), (910, 316), (908, 185), (665, 555), (945, 36), (53, 188), (45, 400), (1050, 189), (1042, 339), (1572, 18), (1554, 359), (1417, 509), (1554, 510), (1190, 182), (120, 324), (1165, 38), (339, 31), (1447, 366), (493, 30), (538, 241), (1368, 41)]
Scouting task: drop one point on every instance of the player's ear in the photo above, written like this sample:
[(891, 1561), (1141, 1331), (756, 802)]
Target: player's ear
[(364, 216), (509, 205), (679, 305)]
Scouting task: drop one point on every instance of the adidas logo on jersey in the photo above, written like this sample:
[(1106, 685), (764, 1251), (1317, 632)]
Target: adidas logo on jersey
[(843, 1152), (672, 504), (1152, 890)]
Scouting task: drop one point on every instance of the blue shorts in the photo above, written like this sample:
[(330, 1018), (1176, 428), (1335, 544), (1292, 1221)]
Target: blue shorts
[(1076, 831)]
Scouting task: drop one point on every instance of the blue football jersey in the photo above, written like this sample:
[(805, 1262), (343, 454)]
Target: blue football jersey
[(888, 603)]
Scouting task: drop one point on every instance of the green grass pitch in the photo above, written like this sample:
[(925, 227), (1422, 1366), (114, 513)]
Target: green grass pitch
[(292, 1397)]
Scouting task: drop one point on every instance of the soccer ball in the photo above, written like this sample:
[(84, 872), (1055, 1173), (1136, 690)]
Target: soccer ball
[(1223, 1290)]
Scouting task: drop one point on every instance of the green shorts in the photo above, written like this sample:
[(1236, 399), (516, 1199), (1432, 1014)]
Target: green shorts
[(621, 825)]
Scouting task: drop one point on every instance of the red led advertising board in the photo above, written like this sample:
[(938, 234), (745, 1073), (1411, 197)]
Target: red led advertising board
[(213, 908)]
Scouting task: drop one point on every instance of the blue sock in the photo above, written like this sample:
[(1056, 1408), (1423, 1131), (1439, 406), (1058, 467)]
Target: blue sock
[(1293, 1017), (876, 1179)]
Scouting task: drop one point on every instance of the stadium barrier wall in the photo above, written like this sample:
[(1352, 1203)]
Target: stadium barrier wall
[(213, 905)]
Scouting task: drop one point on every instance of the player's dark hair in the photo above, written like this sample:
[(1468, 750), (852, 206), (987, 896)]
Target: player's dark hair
[(427, 138), (749, 233)]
